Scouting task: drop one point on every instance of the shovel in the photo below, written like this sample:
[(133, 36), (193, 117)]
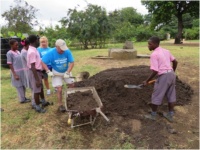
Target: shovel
[(130, 86), (56, 74)]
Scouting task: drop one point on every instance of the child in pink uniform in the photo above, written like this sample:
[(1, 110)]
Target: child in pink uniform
[(18, 78), (24, 51), (35, 73), (165, 84)]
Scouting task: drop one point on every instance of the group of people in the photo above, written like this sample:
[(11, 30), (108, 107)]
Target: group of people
[(33, 64), (28, 68)]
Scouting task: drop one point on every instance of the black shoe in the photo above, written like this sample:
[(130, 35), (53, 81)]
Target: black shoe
[(45, 103), (25, 101), (61, 108), (39, 109)]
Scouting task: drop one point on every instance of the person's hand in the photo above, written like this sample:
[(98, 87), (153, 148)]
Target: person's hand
[(67, 75), (144, 83), (38, 84), (16, 77), (50, 74)]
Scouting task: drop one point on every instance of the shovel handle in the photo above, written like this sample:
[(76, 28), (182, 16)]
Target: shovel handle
[(152, 81), (55, 74)]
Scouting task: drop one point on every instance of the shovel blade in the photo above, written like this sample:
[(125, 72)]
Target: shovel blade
[(130, 86)]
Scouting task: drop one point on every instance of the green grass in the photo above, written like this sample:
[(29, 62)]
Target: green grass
[(22, 127)]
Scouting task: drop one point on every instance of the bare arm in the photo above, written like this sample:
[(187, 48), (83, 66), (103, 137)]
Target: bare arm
[(13, 71), (174, 64), (34, 72), (71, 65), (153, 74), (45, 66)]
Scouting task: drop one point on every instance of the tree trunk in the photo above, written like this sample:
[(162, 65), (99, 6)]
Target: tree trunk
[(178, 38), (85, 44)]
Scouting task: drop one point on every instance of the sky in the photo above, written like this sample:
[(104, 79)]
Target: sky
[(51, 11)]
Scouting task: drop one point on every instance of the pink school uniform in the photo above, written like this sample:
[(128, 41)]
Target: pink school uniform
[(165, 84), (33, 56), (14, 58), (26, 72), (160, 60)]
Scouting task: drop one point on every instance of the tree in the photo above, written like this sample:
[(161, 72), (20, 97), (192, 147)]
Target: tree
[(21, 17), (54, 33), (124, 22), (90, 27), (124, 32), (129, 14), (163, 11)]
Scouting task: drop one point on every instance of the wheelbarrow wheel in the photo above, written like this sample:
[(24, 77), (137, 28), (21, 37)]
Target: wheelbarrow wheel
[(69, 121)]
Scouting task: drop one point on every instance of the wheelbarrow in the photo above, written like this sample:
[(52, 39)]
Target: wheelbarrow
[(92, 113)]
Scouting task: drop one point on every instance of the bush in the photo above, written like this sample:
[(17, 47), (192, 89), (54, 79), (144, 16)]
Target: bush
[(124, 32), (143, 33), (191, 34)]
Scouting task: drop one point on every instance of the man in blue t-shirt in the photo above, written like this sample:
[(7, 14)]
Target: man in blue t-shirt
[(62, 63)]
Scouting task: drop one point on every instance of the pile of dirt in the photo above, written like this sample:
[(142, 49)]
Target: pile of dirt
[(126, 107), (128, 102), (81, 101)]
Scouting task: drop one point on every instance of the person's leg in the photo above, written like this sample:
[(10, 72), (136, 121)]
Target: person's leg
[(42, 94), (37, 102), (43, 100), (37, 92), (153, 114), (21, 94), (171, 92), (33, 99), (26, 99), (157, 96), (170, 114), (59, 95), (37, 98), (171, 107), (57, 83), (154, 107), (46, 82), (171, 96)]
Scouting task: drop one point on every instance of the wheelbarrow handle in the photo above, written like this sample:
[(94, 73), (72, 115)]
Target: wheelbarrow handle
[(98, 110)]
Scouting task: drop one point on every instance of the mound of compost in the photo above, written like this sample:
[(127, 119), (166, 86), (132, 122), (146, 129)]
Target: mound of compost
[(129, 102)]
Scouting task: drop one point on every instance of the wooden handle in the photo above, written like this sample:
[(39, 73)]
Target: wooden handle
[(152, 81)]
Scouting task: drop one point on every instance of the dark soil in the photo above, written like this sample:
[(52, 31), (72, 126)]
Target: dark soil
[(81, 101), (115, 98), (129, 104)]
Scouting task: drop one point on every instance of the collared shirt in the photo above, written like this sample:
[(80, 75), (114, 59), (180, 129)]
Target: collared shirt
[(161, 60), (33, 56)]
